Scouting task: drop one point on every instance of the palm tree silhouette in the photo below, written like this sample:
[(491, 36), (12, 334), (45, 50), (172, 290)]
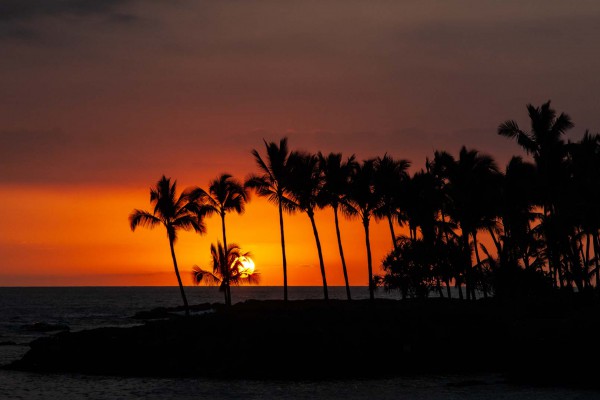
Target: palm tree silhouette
[(227, 270), (336, 176), (584, 157), (388, 180), (472, 182), (362, 201), (173, 213), (544, 142), (420, 205), (304, 186), (519, 194), (225, 194), (271, 183)]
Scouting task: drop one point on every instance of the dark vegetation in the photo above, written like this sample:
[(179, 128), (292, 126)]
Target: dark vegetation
[(541, 219)]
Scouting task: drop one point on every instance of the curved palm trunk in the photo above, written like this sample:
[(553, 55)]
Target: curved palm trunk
[(468, 266), (321, 263), (391, 223), (369, 260), (285, 288), (226, 277), (185, 302), (596, 258), (448, 279), (339, 239), (479, 267)]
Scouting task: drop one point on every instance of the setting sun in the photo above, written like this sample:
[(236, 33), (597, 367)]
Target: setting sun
[(246, 266)]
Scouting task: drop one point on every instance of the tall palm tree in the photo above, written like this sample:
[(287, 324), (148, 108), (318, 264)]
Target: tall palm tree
[(362, 201), (174, 213), (227, 270), (225, 194), (388, 180), (584, 157), (472, 182), (304, 185), (271, 183), (544, 142), (518, 244), (336, 181)]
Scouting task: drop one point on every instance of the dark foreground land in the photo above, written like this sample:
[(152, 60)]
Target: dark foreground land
[(554, 341)]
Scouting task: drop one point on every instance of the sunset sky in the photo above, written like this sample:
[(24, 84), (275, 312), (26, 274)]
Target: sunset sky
[(99, 99)]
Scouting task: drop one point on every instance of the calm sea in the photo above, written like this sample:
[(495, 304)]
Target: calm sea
[(90, 307)]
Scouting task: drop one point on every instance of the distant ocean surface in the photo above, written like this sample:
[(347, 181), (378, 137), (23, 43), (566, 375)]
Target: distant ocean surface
[(91, 307)]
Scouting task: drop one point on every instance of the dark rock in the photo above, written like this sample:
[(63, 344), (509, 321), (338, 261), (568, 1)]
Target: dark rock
[(313, 339)]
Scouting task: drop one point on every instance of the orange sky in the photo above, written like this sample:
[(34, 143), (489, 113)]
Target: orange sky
[(81, 237), (99, 99)]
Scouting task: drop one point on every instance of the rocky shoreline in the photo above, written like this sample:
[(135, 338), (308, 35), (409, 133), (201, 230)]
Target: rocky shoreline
[(530, 341)]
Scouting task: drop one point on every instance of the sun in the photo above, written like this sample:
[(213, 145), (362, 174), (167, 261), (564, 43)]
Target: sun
[(246, 266)]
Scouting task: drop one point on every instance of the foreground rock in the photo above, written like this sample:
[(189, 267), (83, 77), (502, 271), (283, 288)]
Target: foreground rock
[(543, 342)]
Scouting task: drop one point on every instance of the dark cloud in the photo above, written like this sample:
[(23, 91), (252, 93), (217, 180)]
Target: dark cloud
[(11, 10), (218, 77), (18, 18)]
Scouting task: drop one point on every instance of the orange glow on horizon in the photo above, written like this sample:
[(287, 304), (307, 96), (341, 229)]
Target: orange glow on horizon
[(80, 236)]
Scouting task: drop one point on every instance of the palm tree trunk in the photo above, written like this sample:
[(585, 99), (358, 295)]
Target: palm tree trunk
[(479, 267), (369, 260), (496, 241), (596, 256), (285, 288), (459, 286), (185, 302), (227, 287), (587, 260), (339, 239), (391, 223), (438, 286), (448, 289), (468, 265), (321, 263)]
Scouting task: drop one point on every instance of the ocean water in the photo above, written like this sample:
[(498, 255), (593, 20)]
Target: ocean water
[(91, 307)]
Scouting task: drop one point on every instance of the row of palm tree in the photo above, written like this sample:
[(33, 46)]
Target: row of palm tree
[(541, 217), (187, 211)]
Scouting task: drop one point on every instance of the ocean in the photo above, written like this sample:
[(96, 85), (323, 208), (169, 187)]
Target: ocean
[(81, 308)]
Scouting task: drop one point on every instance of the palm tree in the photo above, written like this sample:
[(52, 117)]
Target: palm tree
[(227, 270), (362, 201), (304, 185), (173, 212), (225, 194), (336, 176), (544, 141), (472, 183), (271, 183), (518, 244), (388, 180), (584, 157)]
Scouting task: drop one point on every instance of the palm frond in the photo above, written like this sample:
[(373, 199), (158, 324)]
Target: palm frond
[(142, 218), (262, 165), (200, 276), (187, 222), (509, 129), (562, 124)]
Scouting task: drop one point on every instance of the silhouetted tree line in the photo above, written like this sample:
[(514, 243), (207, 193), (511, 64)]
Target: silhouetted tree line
[(542, 218)]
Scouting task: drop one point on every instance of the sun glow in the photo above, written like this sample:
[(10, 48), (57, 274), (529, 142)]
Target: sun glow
[(245, 266)]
